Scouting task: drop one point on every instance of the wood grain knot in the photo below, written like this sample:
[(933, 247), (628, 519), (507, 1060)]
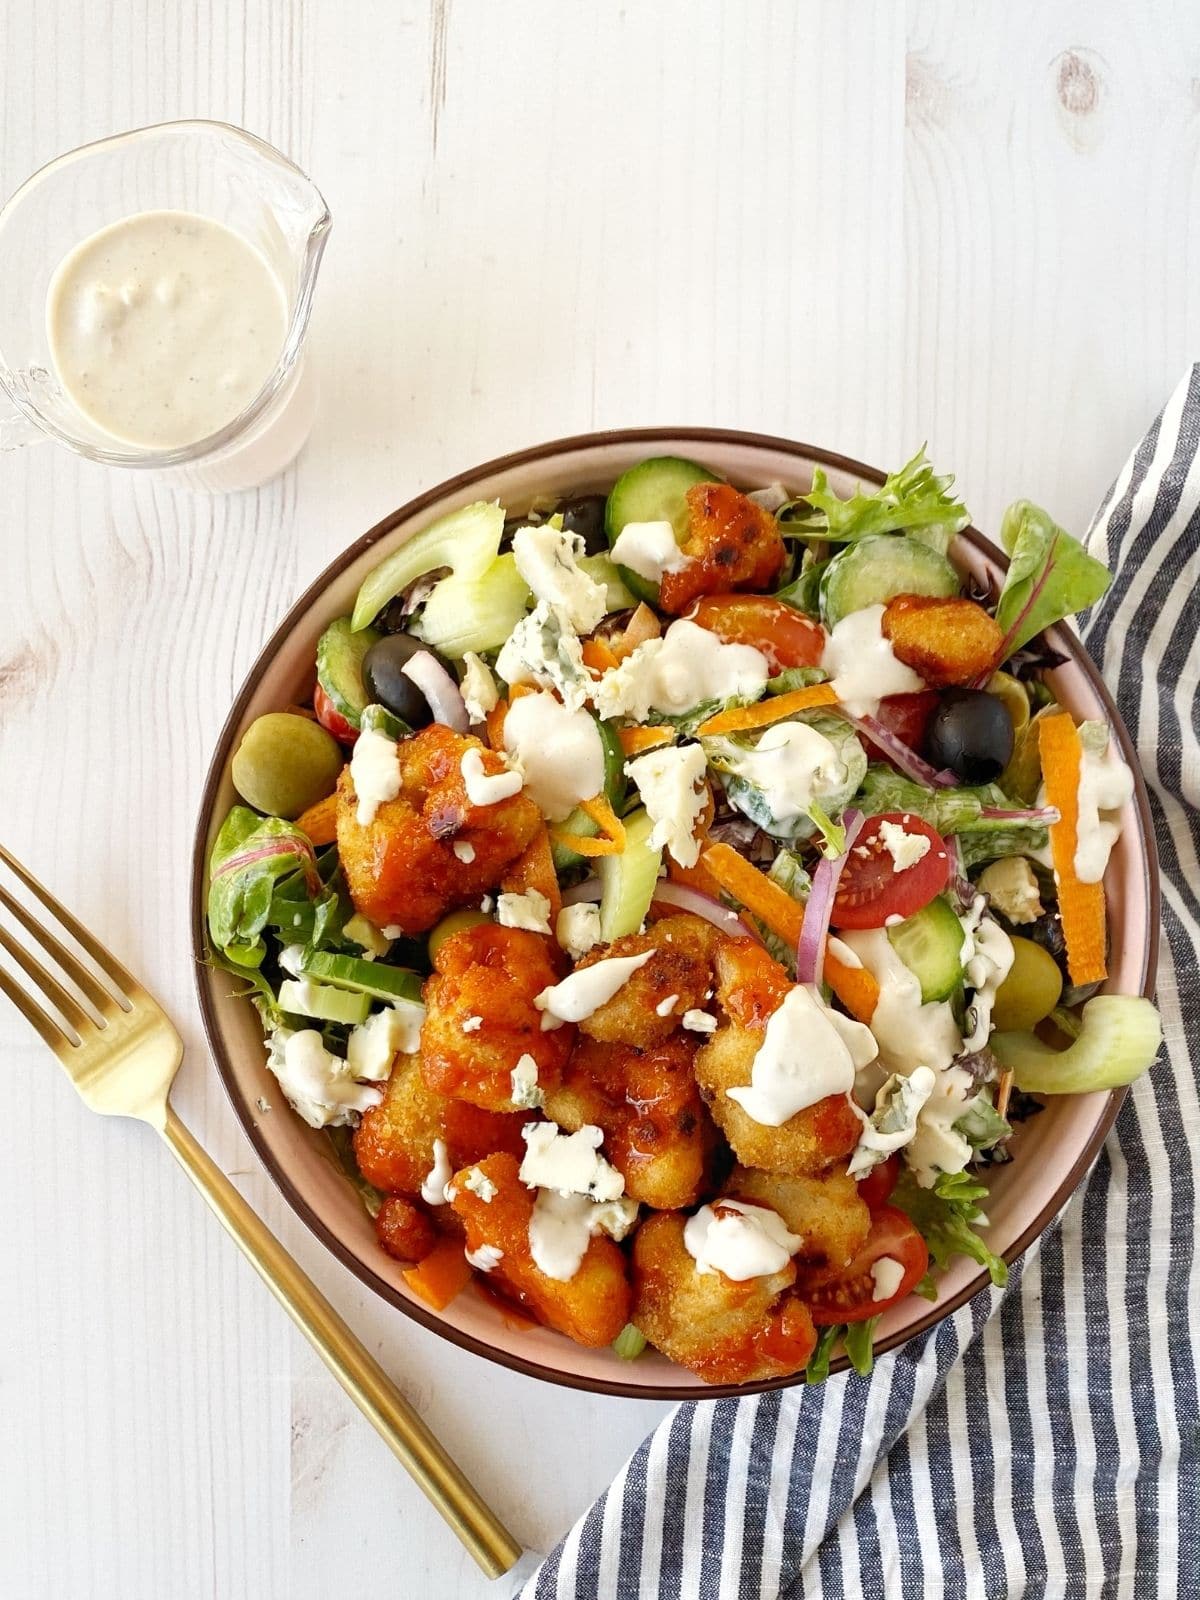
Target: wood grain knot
[(1077, 83), (926, 94), (20, 675)]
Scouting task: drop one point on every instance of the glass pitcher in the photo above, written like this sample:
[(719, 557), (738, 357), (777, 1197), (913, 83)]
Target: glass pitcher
[(209, 168)]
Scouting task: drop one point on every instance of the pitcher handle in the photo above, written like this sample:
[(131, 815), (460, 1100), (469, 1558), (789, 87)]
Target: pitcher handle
[(16, 430)]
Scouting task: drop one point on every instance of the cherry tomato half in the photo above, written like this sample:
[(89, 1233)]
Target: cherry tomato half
[(872, 888), (331, 718), (785, 637), (849, 1295), (905, 715), (875, 1189)]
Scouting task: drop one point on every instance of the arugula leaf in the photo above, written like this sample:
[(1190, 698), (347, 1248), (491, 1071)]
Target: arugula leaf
[(981, 1125), (914, 498), (945, 1216), (1050, 575)]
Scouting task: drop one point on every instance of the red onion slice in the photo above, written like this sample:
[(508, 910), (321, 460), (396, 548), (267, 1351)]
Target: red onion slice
[(908, 761), (960, 885), (276, 847), (440, 690), (810, 953), (589, 890), (1043, 814), (703, 905)]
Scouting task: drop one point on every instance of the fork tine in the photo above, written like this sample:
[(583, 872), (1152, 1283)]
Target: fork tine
[(49, 985), (51, 1033), (126, 983), (99, 996)]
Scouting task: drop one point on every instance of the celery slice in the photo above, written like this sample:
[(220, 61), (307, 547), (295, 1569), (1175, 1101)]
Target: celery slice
[(1118, 1040), (465, 540), (627, 881), (474, 613)]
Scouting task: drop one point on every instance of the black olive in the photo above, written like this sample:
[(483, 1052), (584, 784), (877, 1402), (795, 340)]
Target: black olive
[(387, 685), (585, 517), (971, 732)]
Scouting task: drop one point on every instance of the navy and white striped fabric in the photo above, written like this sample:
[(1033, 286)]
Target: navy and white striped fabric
[(1044, 1440)]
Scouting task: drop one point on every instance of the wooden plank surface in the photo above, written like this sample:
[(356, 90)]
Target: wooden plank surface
[(861, 226)]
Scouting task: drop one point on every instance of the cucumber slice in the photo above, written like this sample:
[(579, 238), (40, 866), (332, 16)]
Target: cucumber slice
[(465, 541), (930, 945), (340, 653), (653, 491), (304, 997), (578, 821), (362, 977), (378, 719), (603, 569), (627, 881), (878, 568), (1119, 1039)]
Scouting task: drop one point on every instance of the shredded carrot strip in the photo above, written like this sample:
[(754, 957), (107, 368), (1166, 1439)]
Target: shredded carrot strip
[(319, 822), (855, 987), (534, 869), (635, 740), (518, 689), (495, 724), (599, 655), (697, 877), (1081, 905), (444, 1273), (773, 709), (612, 831)]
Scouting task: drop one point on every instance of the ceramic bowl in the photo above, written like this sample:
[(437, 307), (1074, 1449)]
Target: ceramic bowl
[(1052, 1151)]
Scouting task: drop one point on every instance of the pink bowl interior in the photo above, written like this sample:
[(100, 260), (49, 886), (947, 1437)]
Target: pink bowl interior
[(1051, 1150)]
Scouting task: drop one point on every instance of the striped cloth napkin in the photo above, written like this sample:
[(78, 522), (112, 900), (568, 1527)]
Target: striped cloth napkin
[(1045, 1439)]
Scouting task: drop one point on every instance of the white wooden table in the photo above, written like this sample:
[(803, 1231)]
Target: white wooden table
[(863, 226)]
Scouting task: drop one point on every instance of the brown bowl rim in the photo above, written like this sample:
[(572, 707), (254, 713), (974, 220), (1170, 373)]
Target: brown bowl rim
[(1069, 645)]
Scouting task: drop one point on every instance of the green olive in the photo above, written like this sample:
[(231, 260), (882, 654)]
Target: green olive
[(285, 764), (1011, 693), (454, 923), (1030, 992)]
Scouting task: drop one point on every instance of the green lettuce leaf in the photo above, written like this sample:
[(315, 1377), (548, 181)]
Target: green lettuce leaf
[(946, 1216), (955, 811), (793, 678), (251, 859), (981, 1125), (914, 500), (990, 840), (804, 594), (1050, 575), (856, 1338)]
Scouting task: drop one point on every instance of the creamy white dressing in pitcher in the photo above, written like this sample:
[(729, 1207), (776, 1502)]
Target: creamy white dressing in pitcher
[(164, 326)]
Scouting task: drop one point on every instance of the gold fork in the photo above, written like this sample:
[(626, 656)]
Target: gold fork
[(123, 1061)]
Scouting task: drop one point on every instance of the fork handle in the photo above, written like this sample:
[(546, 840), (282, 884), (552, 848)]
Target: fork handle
[(363, 1379)]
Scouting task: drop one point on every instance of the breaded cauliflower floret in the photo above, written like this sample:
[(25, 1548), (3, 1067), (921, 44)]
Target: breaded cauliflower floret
[(731, 542), (725, 1332), (591, 1308), (750, 983), (826, 1212), (401, 868), (657, 1132), (680, 967), (480, 1017), (393, 1144), (804, 1145), (404, 1229)]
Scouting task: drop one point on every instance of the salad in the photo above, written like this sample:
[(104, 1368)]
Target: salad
[(672, 900)]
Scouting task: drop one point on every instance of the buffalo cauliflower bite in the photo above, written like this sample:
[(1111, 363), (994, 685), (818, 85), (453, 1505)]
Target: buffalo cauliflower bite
[(592, 1307), (826, 1212), (394, 1142), (401, 868), (750, 983), (404, 1229), (732, 544), (657, 1132), (679, 972), (723, 1331), (480, 1017)]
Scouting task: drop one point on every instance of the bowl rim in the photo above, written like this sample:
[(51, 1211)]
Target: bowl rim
[(1069, 644)]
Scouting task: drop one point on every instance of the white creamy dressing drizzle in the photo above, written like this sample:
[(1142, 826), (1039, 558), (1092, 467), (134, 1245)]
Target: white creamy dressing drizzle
[(862, 665), (887, 1274), (987, 957), (699, 1022), (893, 1122), (1105, 786), (483, 790), (563, 1225), (164, 326), (548, 560), (374, 772), (464, 850), (433, 1190), (558, 752), (587, 989), (685, 667), (670, 782), (650, 549), (318, 1085), (792, 765), (739, 1240), (486, 1259), (808, 1052)]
